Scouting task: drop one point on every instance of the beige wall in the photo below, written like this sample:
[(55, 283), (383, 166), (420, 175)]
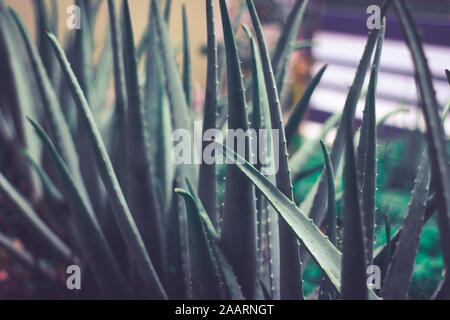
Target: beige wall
[(139, 12)]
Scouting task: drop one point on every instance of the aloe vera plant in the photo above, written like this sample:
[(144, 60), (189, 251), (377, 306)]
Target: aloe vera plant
[(98, 186)]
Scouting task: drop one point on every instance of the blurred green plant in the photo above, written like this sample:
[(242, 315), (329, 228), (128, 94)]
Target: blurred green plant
[(96, 186)]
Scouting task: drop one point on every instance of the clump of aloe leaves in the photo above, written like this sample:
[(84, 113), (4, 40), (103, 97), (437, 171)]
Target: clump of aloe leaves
[(95, 187)]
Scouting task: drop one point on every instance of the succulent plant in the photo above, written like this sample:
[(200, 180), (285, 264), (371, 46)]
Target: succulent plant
[(96, 187)]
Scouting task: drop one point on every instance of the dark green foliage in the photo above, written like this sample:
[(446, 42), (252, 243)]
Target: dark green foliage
[(285, 45), (239, 222), (141, 193), (207, 177), (327, 292), (435, 130), (187, 77), (109, 278), (120, 207), (400, 271), (267, 219), (102, 190), (366, 155), (353, 260), (291, 279), (300, 109)]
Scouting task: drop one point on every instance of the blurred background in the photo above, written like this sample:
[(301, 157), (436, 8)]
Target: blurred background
[(333, 33)]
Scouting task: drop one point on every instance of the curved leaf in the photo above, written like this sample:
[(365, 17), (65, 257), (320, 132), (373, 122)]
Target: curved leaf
[(354, 256), (121, 211), (141, 194), (435, 130), (285, 45), (366, 153), (24, 209), (20, 98), (291, 279), (268, 231), (316, 208), (58, 125), (109, 277), (400, 271), (159, 120), (187, 76), (107, 273), (239, 221), (119, 143), (207, 176), (206, 277), (297, 115), (322, 250), (327, 291)]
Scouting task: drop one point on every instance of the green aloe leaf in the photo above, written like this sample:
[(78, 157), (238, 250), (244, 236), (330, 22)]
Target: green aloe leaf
[(387, 231), (180, 112), (187, 72), (52, 191), (316, 207), (21, 101), (119, 140), (300, 158), (354, 255), (331, 207), (83, 50), (327, 291), (102, 74), (222, 57), (58, 203), (297, 115), (366, 153), (304, 45), (179, 282), (167, 10), (267, 218), (174, 85), (233, 289), (160, 122), (83, 67), (120, 207), (239, 221), (110, 279), (322, 250), (400, 271), (207, 279), (383, 254), (141, 194), (182, 121), (43, 23), (22, 207), (286, 43), (228, 286), (54, 14), (207, 184), (291, 280), (442, 291), (58, 125), (435, 130)]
